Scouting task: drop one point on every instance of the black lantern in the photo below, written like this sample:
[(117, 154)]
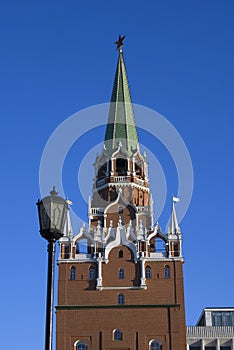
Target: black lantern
[(52, 211)]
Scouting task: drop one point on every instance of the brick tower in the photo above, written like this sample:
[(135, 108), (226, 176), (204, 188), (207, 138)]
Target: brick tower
[(120, 280)]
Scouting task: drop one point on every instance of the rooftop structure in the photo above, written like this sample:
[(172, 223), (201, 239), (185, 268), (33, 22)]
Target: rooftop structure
[(214, 330)]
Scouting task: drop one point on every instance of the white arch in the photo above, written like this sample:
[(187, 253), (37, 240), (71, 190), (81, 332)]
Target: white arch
[(119, 150), (82, 234), (156, 343), (120, 197), (120, 239), (158, 233), (137, 154), (80, 342)]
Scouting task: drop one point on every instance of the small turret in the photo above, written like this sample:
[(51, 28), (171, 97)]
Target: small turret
[(174, 233)]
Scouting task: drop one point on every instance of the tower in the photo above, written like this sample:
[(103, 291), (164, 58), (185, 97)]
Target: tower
[(120, 280)]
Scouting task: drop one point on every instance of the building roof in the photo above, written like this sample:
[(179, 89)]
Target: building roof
[(173, 224), (217, 308), (214, 309), (121, 126)]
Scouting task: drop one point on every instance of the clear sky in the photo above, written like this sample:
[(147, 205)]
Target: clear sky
[(58, 57)]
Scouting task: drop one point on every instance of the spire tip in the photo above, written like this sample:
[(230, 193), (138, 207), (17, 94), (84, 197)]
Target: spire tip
[(120, 43)]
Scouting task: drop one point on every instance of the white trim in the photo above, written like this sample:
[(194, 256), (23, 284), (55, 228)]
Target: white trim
[(120, 239), (138, 154), (164, 259), (157, 233), (99, 278), (119, 288), (110, 234), (81, 342), (119, 150), (158, 342), (117, 184), (120, 197), (83, 233), (75, 260)]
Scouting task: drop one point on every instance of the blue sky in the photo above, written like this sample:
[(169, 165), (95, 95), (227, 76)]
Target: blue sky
[(57, 58)]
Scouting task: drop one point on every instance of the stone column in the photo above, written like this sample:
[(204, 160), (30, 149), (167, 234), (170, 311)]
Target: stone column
[(170, 248), (99, 279), (143, 279), (133, 167), (71, 251), (128, 171), (146, 171), (105, 216), (112, 166)]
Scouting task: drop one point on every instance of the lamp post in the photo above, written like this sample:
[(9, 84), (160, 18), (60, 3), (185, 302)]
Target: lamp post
[(52, 212)]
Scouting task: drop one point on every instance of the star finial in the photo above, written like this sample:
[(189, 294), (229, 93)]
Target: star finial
[(119, 42)]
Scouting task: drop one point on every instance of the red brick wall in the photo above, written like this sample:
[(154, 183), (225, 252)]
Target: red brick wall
[(149, 322)]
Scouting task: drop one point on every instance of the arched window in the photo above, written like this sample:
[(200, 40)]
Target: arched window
[(73, 273), (120, 299), (92, 273), (117, 334), (121, 166), (148, 272), (81, 346), (82, 246), (120, 253), (160, 246), (120, 210), (121, 274), (138, 168), (167, 273), (154, 345), (102, 171), (176, 249)]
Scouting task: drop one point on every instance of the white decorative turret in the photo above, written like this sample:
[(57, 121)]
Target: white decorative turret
[(120, 224), (174, 233), (98, 233), (130, 232), (174, 228), (110, 233), (141, 231)]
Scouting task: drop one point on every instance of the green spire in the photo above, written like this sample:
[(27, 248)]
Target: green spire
[(121, 125)]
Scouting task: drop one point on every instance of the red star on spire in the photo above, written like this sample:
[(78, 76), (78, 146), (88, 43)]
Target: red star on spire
[(119, 42)]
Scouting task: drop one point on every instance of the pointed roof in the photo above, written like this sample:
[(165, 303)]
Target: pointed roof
[(121, 127), (173, 226)]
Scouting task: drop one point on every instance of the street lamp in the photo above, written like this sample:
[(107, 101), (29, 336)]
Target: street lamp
[(52, 212)]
